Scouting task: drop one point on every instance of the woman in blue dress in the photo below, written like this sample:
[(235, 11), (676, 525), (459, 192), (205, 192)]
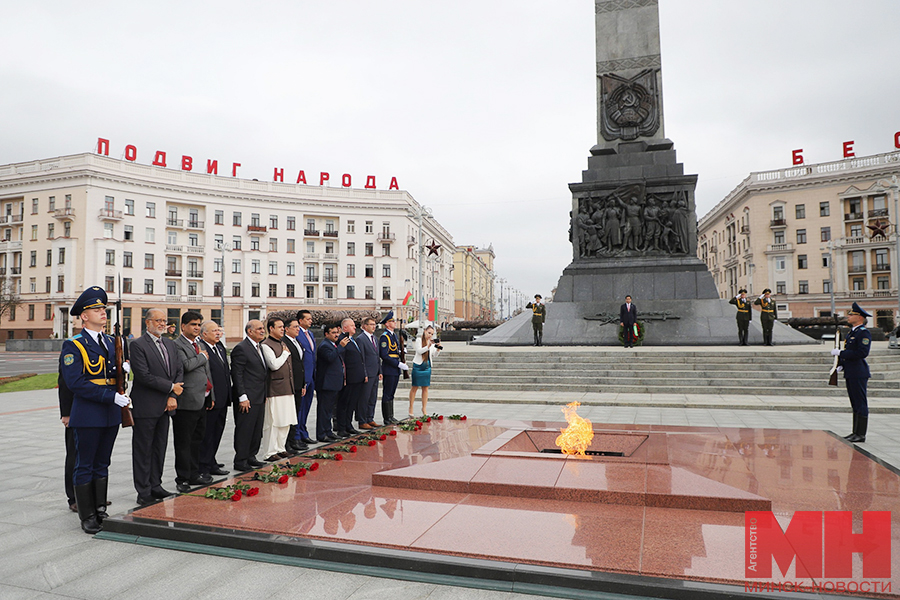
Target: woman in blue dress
[(426, 350)]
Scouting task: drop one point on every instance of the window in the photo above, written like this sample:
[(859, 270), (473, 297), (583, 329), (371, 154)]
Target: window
[(879, 205), (803, 287), (61, 283), (148, 286), (217, 265), (311, 273), (881, 260), (351, 292), (254, 266), (49, 259), (370, 292), (236, 289), (52, 206), (173, 217), (370, 270), (310, 292), (329, 291), (254, 290), (151, 210), (219, 218), (310, 247), (385, 293), (884, 282), (273, 267), (33, 259), (35, 203), (311, 224), (801, 261), (778, 213), (148, 261), (126, 285), (47, 284), (351, 270), (51, 230), (855, 206), (780, 287), (218, 241), (351, 248), (370, 249), (801, 236), (351, 228), (291, 269), (780, 263), (32, 285), (825, 233), (129, 207), (62, 256), (110, 257), (235, 266), (329, 226), (217, 289), (254, 219), (826, 289), (236, 242), (110, 283), (48, 312), (329, 247), (236, 219), (291, 245), (800, 211), (370, 228), (824, 209), (107, 229), (826, 260), (34, 233), (150, 235), (273, 244), (193, 240), (289, 290), (859, 284), (385, 249), (273, 290), (31, 311), (385, 270), (291, 223), (127, 259), (254, 243), (273, 221), (856, 230), (779, 237), (129, 233)]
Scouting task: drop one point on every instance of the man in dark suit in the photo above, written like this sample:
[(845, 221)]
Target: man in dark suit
[(291, 331), (627, 319), (369, 397), (189, 421), (355, 377), (248, 373), (210, 334), (391, 366), (329, 380), (158, 381), (308, 343)]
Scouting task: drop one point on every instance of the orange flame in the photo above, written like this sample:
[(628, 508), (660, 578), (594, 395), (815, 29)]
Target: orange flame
[(577, 437)]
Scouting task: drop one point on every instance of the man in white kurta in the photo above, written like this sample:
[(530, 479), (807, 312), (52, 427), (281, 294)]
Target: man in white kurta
[(280, 413)]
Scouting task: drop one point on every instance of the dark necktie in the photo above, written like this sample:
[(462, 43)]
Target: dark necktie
[(165, 354)]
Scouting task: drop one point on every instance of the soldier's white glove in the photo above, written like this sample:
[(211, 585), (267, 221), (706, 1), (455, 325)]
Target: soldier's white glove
[(835, 352), (126, 366), (737, 297), (122, 400), (839, 369), (403, 367)]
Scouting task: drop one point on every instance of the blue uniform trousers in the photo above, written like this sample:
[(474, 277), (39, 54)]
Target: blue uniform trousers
[(93, 451), (856, 388)]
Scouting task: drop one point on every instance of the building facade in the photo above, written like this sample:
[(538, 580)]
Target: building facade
[(183, 240), (474, 279), (808, 232)]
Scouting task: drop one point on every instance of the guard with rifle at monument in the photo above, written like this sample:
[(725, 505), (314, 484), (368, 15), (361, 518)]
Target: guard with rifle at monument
[(852, 360), (93, 369), (390, 347)]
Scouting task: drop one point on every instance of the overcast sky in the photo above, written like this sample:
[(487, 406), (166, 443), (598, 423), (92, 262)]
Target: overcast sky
[(483, 110)]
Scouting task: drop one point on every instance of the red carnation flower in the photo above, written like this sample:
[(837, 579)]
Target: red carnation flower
[(352, 448), (418, 423), (428, 420), (371, 442), (314, 467), (463, 418), (301, 472), (236, 496), (440, 417), (283, 479), (382, 437), (338, 457), (393, 433), (253, 491)]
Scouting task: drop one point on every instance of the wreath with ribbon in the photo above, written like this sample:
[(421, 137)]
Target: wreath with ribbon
[(638, 330)]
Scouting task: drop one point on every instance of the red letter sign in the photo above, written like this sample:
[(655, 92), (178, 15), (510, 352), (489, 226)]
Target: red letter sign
[(130, 152), (212, 167), (393, 185), (874, 544), (187, 163), (301, 177), (103, 146), (323, 177), (345, 180), (279, 175), (234, 167), (848, 149), (764, 541), (797, 156)]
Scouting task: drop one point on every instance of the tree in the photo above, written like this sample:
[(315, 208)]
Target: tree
[(9, 296)]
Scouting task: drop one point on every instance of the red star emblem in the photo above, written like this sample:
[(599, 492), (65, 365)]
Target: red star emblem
[(433, 248), (879, 228)]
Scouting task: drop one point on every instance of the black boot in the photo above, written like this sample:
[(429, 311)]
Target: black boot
[(855, 425), (84, 496), (100, 486), (859, 434)]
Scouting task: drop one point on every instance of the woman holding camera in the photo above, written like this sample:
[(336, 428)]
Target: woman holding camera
[(426, 350)]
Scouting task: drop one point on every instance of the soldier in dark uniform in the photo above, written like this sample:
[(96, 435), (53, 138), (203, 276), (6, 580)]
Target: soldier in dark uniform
[(538, 316), (852, 360), (769, 315), (744, 315), (391, 366), (87, 364)]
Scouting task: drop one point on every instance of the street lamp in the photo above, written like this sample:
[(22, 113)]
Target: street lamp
[(419, 213), (894, 187), (222, 247)]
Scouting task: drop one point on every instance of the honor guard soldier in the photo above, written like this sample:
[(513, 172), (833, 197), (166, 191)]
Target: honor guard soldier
[(852, 360), (768, 316), (538, 316), (391, 365), (87, 364), (744, 315)]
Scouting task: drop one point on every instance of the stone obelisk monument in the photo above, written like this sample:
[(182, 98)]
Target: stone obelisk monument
[(633, 220)]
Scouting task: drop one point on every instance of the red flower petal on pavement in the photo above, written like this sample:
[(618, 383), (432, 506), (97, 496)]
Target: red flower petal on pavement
[(428, 420), (338, 457), (371, 442), (382, 437), (301, 472), (463, 418), (352, 448), (236, 496), (314, 467), (440, 417), (283, 479), (393, 433), (418, 423), (253, 491)]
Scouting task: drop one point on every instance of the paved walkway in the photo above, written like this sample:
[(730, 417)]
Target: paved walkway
[(46, 556)]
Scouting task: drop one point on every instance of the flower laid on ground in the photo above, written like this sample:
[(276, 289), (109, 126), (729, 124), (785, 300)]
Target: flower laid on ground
[(382, 437), (281, 473), (325, 456), (457, 417), (232, 492), (314, 467), (372, 442), (410, 426), (393, 433), (343, 448), (436, 417)]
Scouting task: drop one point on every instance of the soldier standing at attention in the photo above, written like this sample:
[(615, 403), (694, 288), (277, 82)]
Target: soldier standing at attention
[(87, 364), (744, 315), (852, 360), (769, 315), (538, 316)]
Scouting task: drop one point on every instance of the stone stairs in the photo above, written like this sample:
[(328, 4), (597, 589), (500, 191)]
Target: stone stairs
[(732, 372)]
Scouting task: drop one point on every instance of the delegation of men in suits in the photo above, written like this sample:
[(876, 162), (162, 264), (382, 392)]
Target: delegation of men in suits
[(211, 336), (249, 373)]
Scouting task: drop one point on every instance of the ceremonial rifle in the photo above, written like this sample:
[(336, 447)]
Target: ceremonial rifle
[(119, 344), (833, 377), (401, 343)]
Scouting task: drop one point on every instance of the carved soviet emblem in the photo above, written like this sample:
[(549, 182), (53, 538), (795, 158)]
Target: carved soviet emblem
[(630, 107)]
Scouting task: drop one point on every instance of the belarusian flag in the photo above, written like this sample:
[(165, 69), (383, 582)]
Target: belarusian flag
[(432, 310), (407, 298)]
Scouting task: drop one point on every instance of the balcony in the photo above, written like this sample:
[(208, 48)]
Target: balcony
[(856, 269), (777, 223), (173, 272), (329, 278), (882, 294), (11, 219), (195, 274), (311, 233), (311, 256), (329, 257), (174, 248), (881, 267), (878, 212), (779, 248), (332, 234), (179, 298), (386, 236), (857, 294), (174, 222), (195, 224), (66, 214), (745, 230), (193, 249), (193, 298), (10, 245), (310, 279), (256, 229), (110, 215), (854, 216)]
